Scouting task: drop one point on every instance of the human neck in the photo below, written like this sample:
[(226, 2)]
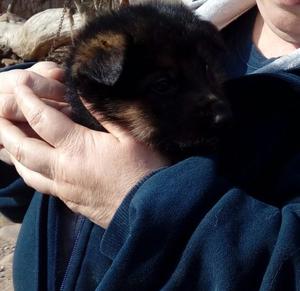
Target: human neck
[(265, 34)]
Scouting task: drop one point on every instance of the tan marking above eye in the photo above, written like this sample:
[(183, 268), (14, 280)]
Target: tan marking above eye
[(88, 50)]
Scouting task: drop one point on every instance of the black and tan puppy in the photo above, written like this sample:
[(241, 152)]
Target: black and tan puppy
[(154, 70)]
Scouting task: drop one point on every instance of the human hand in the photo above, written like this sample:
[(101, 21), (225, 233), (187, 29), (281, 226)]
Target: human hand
[(45, 80), (90, 171)]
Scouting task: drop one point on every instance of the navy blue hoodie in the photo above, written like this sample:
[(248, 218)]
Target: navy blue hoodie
[(227, 222)]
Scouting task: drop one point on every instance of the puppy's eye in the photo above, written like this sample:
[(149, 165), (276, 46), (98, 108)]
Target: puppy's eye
[(209, 74), (206, 68), (163, 86)]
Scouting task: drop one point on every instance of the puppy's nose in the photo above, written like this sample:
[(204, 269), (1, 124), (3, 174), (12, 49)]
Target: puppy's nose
[(222, 114)]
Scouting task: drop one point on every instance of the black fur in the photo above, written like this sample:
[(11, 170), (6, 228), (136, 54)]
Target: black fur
[(155, 70)]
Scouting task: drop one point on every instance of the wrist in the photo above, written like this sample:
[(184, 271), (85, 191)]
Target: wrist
[(118, 207)]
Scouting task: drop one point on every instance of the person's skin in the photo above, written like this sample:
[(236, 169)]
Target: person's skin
[(90, 171), (277, 27)]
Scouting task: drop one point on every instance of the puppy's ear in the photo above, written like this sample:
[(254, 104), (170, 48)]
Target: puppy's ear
[(100, 58), (213, 37)]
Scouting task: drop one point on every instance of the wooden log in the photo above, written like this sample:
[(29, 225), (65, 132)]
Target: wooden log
[(34, 38)]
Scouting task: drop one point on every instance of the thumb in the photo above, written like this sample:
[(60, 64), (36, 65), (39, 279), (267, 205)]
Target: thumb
[(116, 131), (48, 70)]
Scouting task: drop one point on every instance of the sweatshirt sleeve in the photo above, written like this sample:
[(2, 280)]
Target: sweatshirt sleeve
[(185, 228), (165, 195)]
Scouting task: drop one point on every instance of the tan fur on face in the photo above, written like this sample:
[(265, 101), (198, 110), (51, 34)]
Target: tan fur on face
[(140, 125), (133, 116)]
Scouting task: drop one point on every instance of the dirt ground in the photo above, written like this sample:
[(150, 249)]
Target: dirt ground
[(8, 236)]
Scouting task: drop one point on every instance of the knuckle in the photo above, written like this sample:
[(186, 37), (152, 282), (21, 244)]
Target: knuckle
[(8, 107), (22, 77), (55, 172), (19, 152), (72, 142), (44, 65), (35, 117)]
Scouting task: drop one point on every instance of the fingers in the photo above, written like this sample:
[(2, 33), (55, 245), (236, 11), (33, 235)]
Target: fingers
[(5, 156), (34, 154), (42, 117), (33, 179), (61, 106), (48, 70), (41, 86), (9, 108), (56, 74), (41, 67)]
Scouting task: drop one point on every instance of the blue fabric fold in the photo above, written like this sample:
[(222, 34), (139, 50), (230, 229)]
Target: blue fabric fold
[(227, 222)]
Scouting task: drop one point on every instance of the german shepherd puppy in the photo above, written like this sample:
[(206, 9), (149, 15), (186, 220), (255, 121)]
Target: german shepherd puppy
[(155, 70)]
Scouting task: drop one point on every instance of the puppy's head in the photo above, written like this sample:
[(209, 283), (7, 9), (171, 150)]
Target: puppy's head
[(153, 69)]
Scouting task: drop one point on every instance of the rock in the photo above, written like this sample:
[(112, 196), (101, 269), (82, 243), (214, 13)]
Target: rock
[(5, 51), (6, 283), (10, 17), (9, 62)]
